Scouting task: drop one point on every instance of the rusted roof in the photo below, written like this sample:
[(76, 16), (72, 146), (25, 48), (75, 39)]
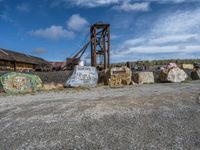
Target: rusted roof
[(8, 55)]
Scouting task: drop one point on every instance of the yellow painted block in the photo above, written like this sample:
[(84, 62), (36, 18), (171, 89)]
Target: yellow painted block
[(187, 66)]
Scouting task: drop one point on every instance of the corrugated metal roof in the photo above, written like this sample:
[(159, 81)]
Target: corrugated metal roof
[(9, 55)]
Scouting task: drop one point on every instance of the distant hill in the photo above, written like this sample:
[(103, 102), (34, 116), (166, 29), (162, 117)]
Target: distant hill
[(157, 62)]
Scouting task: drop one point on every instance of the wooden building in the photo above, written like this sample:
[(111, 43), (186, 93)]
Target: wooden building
[(15, 61)]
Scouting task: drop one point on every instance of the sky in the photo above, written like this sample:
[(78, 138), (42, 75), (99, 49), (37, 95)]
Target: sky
[(140, 29)]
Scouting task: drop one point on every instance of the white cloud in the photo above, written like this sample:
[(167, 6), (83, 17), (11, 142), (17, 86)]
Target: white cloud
[(76, 22), (99, 3), (145, 6), (146, 52), (175, 33), (178, 43), (93, 3), (161, 49), (24, 7), (179, 22), (133, 42), (54, 32), (114, 36), (174, 1), (173, 39)]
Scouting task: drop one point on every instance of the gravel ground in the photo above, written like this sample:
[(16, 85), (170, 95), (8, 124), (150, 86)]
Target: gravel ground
[(155, 116)]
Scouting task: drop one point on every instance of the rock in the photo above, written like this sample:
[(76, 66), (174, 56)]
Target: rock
[(195, 74), (14, 83), (82, 76), (196, 65), (143, 77), (171, 65), (173, 75), (187, 66), (119, 76), (115, 81)]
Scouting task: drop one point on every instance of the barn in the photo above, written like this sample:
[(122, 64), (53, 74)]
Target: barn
[(15, 61)]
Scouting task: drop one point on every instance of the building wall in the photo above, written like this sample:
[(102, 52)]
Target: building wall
[(23, 66), (6, 66), (10, 66)]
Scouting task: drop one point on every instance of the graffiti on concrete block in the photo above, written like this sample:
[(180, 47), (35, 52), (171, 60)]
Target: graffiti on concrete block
[(83, 76)]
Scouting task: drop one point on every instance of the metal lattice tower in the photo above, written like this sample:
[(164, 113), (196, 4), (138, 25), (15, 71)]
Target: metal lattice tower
[(100, 45)]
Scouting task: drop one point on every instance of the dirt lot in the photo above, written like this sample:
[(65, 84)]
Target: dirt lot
[(155, 116)]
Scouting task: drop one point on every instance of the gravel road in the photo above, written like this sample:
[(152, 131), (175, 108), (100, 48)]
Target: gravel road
[(155, 116)]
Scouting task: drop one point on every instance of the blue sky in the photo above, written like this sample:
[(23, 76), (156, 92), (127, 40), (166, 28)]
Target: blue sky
[(140, 29)]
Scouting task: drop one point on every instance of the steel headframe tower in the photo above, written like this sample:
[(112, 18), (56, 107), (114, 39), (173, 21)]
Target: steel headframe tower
[(100, 45)]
